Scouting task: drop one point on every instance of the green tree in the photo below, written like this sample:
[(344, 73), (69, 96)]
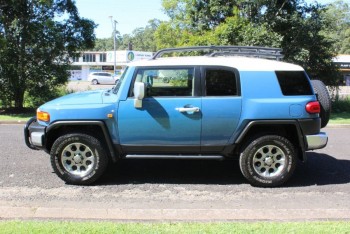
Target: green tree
[(300, 26), (199, 15), (167, 35), (142, 39), (103, 44), (337, 26), (38, 38), (293, 25)]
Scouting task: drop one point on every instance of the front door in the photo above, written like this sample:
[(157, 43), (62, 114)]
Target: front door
[(170, 118)]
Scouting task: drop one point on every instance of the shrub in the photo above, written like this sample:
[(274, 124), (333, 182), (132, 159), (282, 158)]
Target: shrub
[(340, 105), (33, 101)]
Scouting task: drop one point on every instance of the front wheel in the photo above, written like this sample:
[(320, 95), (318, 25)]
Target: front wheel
[(78, 158), (268, 161), (94, 82)]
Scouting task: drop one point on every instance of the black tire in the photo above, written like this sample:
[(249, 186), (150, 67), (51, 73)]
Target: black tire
[(78, 158), (268, 161), (94, 82), (324, 99)]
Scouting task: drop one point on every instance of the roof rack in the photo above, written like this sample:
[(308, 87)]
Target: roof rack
[(247, 51)]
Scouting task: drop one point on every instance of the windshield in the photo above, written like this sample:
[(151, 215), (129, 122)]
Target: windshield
[(117, 86)]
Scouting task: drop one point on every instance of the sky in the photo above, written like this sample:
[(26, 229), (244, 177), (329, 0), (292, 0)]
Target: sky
[(130, 14)]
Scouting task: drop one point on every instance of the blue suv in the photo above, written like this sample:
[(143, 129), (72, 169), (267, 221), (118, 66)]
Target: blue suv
[(230, 103)]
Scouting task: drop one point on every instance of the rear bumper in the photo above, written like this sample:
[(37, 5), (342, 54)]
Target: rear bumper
[(317, 141), (34, 134)]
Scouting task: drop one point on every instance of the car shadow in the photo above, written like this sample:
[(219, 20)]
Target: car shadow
[(320, 169), (163, 171)]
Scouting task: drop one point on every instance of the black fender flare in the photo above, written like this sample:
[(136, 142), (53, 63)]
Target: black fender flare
[(98, 123), (301, 137)]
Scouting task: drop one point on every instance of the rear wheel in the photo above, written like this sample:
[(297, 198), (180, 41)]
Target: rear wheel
[(323, 97), (94, 82), (268, 161), (78, 158)]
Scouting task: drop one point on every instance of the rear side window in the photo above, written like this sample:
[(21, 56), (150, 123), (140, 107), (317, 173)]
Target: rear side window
[(220, 82), (294, 83)]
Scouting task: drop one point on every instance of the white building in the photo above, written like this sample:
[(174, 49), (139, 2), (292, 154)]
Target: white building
[(95, 61), (343, 62)]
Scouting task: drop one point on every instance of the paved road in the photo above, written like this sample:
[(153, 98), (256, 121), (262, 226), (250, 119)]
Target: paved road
[(173, 190)]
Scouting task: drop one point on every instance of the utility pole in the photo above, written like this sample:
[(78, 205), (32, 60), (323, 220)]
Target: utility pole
[(114, 26)]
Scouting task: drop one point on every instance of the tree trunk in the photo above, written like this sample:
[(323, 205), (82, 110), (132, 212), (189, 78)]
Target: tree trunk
[(19, 98)]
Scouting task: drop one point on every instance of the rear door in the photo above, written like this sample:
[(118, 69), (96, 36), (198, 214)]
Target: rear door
[(221, 106)]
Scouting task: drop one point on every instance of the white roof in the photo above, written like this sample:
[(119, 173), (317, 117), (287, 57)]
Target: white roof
[(240, 63)]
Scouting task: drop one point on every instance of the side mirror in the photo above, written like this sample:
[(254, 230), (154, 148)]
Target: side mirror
[(139, 93)]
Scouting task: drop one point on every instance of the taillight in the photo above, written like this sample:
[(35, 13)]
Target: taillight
[(313, 107)]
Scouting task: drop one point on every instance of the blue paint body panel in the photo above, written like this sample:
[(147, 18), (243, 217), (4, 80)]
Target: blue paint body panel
[(159, 123), (220, 119)]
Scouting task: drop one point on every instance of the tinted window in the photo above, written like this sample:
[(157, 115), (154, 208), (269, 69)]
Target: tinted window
[(220, 82), (167, 82), (294, 83)]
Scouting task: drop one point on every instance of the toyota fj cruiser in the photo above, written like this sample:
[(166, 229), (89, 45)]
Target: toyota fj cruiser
[(231, 103)]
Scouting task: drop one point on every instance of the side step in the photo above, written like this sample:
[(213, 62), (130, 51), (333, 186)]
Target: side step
[(199, 157)]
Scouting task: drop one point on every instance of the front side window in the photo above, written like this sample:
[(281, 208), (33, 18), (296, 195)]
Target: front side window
[(220, 82), (167, 81)]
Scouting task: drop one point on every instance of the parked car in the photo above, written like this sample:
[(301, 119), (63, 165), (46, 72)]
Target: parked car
[(234, 103), (102, 78)]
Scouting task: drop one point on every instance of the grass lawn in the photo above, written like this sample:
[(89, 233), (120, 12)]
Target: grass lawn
[(340, 118), (172, 227), (16, 115)]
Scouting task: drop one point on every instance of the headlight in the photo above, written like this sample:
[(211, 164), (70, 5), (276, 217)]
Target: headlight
[(42, 116)]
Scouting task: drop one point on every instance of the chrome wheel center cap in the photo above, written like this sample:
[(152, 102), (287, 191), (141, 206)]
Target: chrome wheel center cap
[(269, 161), (78, 158)]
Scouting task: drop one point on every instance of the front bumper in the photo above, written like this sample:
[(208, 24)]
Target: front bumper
[(34, 134), (317, 141)]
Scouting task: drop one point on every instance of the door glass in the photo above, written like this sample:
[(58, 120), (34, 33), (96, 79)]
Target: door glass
[(220, 83), (167, 82)]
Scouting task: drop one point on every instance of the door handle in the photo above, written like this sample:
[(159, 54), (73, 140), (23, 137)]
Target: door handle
[(187, 109)]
